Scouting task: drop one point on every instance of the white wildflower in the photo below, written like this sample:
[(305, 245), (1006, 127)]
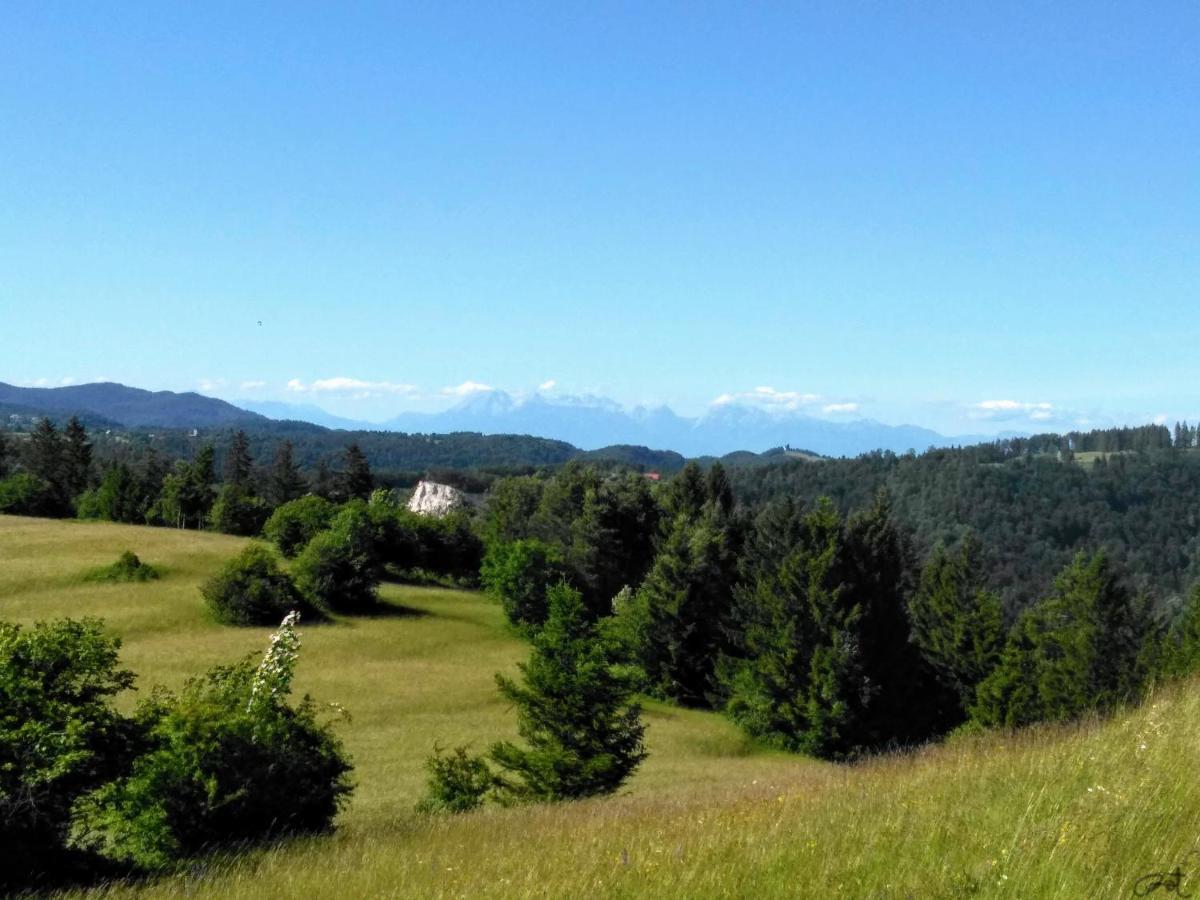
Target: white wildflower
[(273, 680)]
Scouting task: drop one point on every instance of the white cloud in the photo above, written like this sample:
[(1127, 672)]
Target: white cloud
[(769, 398), (1160, 419), (208, 385), (466, 388), (547, 385), (355, 387), (1012, 409), (840, 408), (253, 385)]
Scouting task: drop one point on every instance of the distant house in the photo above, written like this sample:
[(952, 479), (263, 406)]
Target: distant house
[(653, 476)]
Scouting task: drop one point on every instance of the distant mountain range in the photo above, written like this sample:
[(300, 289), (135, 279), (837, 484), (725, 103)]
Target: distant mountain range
[(587, 422), (592, 422)]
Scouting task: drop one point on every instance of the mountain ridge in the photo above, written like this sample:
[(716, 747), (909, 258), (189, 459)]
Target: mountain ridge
[(587, 422)]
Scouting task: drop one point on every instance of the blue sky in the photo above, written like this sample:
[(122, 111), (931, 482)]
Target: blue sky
[(968, 216)]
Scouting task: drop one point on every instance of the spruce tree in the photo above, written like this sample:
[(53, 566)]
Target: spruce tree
[(284, 482), (77, 458), (1181, 645), (324, 482), (720, 491), (575, 710), (677, 621), (956, 621), (238, 463), (685, 496), (796, 662), (3, 455), (612, 540), (45, 458), (1082, 648), (357, 482), (824, 664)]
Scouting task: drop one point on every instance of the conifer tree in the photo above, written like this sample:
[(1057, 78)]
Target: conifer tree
[(46, 453), (1181, 645), (825, 665), (1082, 648), (357, 482), (238, 463), (677, 621), (3, 455), (575, 710), (720, 491), (77, 458), (685, 495), (956, 621), (284, 482)]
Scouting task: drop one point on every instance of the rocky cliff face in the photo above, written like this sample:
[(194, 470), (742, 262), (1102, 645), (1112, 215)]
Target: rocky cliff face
[(433, 499)]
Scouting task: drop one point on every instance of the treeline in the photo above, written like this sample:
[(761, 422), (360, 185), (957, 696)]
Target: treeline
[(1032, 511), (822, 632)]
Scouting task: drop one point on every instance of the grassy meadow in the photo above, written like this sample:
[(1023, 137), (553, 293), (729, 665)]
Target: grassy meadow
[(1074, 812)]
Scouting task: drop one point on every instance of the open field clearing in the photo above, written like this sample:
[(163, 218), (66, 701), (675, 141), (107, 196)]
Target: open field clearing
[(1055, 812)]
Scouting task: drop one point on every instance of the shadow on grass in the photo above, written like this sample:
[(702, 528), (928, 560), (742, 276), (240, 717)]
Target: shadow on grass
[(386, 609)]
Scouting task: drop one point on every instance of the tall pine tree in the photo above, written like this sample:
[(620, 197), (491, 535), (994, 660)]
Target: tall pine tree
[(238, 463), (357, 482), (77, 458), (957, 622), (284, 481)]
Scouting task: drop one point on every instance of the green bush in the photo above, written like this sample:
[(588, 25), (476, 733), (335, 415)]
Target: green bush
[(251, 590), (127, 568), (519, 574), (229, 761), (340, 569), (458, 782), (297, 522), (59, 738), (25, 494)]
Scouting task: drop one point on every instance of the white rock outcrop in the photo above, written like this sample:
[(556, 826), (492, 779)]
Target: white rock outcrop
[(433, 499)]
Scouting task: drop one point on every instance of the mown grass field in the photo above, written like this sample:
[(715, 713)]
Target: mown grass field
[(1056, 812)]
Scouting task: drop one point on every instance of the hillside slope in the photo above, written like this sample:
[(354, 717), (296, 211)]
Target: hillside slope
[(1057, 812), (131, 407)]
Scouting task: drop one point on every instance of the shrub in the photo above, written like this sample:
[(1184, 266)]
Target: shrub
[(458, 782), (340, 568), (229, 761), (518, 574), (25, 494), (59, 738), (127, 568), (251, 590), (297, 522)]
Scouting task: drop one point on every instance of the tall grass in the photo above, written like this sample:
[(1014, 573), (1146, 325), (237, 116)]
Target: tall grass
[(1070, 812)]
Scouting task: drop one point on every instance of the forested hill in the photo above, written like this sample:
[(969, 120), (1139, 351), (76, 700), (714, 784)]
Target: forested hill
[(1032, 509), (131, 407)]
